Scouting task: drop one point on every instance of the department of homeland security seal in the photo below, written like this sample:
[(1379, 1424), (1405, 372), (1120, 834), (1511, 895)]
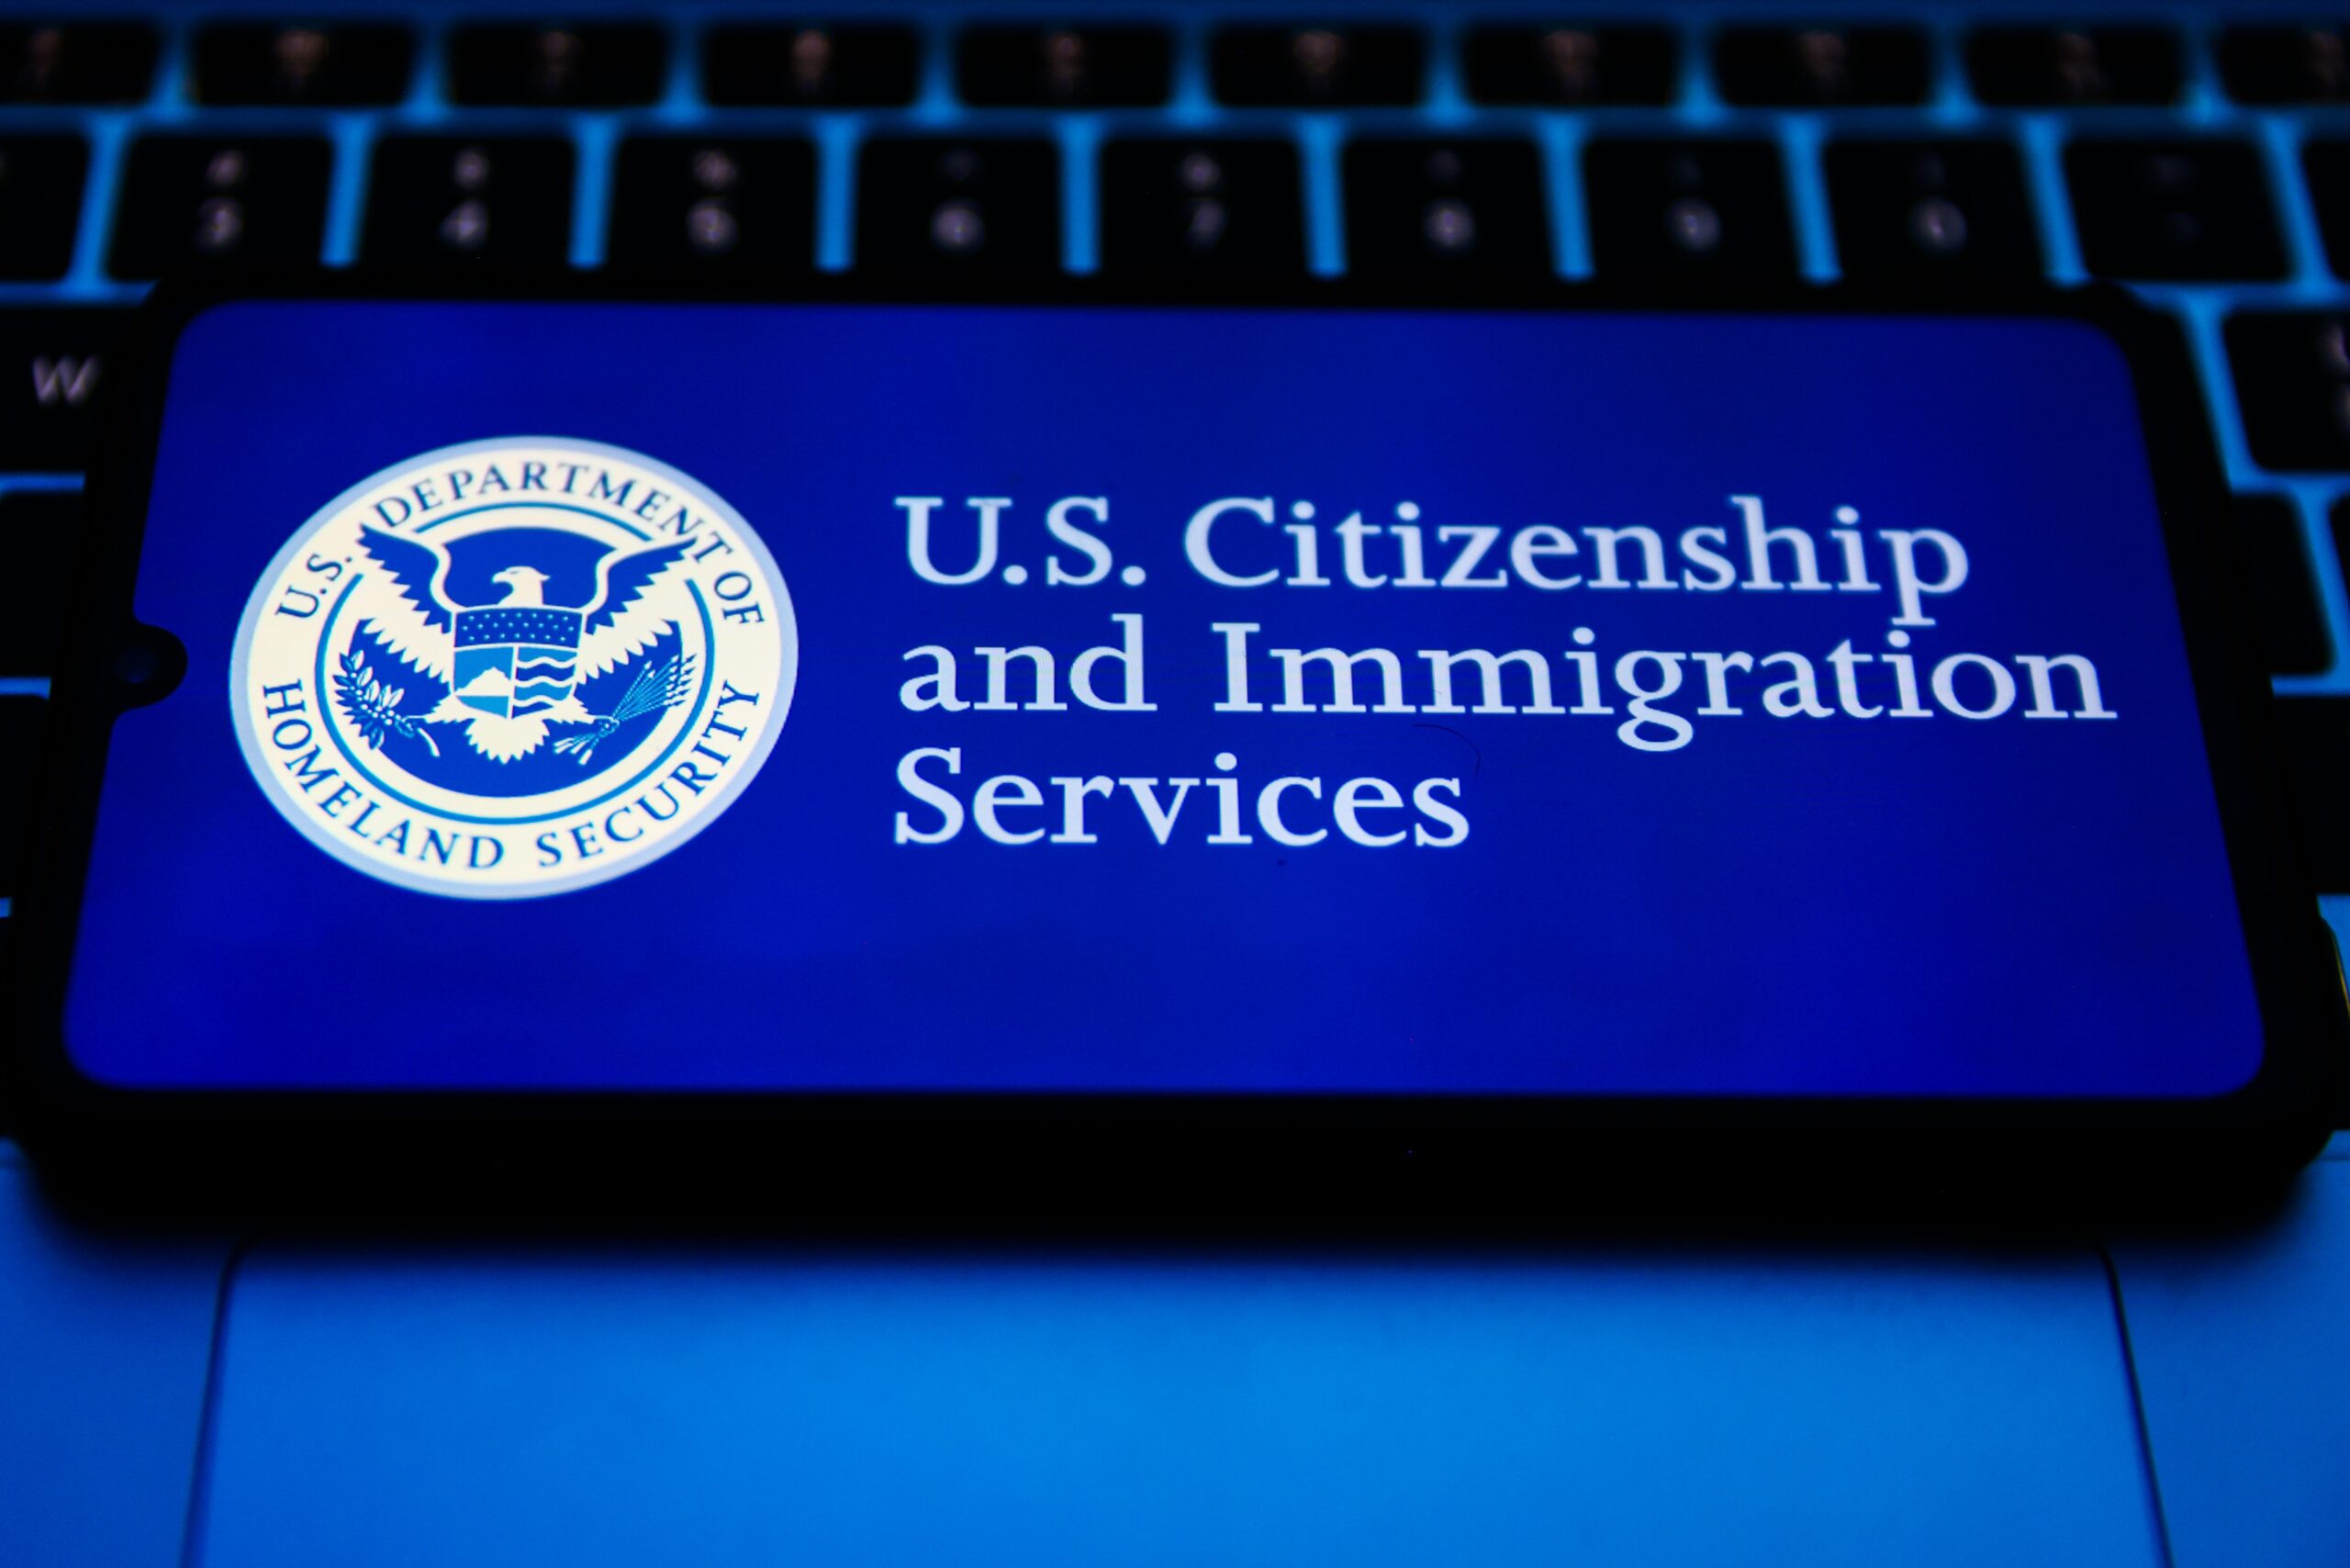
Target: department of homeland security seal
[(513, 667)]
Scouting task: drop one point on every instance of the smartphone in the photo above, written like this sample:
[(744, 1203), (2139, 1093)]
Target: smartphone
[(1546, 724)]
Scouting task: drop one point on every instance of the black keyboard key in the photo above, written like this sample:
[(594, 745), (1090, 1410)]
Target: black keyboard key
[(1208, 208), (24, 723), (1311, 67), (2325, 165), (41, 204), (1076, 67), (1597, 66), (2075, 66), (2289, 620), (1808, 66), (2314, 732), (1688, 209), (1953, 210), (37, 530), (854, 65), (965, 208), (2286, 64), (1467, 210), (2292, 376), (593, 66), (195, 202), (2174, 211), (344, 64), (87, 63), (714, 205), (470, 201), (52, 364)]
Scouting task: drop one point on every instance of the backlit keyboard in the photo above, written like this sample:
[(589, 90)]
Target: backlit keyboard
[(2202, 157)]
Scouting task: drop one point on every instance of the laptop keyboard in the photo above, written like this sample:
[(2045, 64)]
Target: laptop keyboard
[(2204, 162)]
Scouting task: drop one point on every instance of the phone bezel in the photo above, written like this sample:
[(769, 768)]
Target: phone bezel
[(2273, 1122)]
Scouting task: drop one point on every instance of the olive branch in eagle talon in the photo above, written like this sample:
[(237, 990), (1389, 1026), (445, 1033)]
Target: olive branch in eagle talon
[(372, 708), (652, 690)]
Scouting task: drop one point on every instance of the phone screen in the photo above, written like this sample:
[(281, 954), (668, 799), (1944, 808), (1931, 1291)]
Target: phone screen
[(955, 698)]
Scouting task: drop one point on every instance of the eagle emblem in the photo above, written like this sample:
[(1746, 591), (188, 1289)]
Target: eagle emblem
[(514, 666), (511, 667)]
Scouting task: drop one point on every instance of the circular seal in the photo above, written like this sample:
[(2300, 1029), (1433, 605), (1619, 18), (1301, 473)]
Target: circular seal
[(513, 667)]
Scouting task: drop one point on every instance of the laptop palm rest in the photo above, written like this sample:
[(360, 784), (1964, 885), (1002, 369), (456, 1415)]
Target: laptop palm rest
[(730, 1405)]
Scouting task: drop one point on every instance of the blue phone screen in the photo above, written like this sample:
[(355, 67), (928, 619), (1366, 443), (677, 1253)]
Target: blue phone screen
[(614, 696)]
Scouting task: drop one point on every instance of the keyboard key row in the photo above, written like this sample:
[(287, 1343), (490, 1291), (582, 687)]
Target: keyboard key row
[(974, 205), (2171, 209), (878, 63)]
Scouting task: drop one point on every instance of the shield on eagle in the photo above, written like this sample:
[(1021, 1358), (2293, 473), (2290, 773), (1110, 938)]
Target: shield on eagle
[(513, 661)]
